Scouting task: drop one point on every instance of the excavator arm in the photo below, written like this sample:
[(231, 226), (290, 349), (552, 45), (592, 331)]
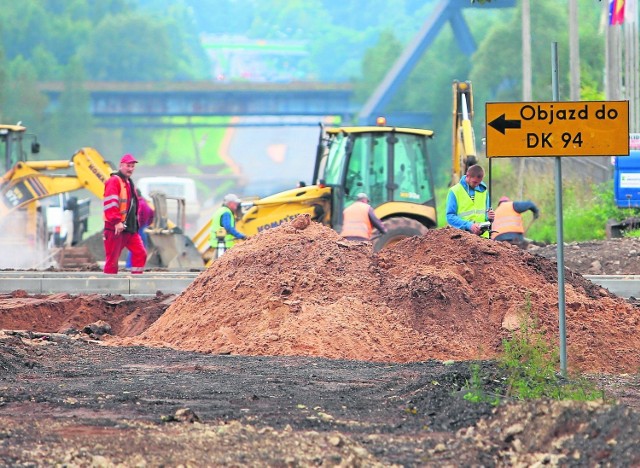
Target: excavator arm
[(29, 181), (463, 142)]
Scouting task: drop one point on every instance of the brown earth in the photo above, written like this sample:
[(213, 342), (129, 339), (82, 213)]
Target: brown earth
[(245, 347), (445, 295), (601, 257)]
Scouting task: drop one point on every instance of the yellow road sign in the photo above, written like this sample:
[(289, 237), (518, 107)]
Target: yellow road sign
[(576, 128)]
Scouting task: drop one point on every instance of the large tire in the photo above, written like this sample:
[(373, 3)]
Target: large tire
[(398, 228)]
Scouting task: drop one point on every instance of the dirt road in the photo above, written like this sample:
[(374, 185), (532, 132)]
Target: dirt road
[(67, 401)]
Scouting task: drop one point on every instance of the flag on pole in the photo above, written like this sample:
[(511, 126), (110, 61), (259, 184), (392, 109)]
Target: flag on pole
[(631, 12), (616, 12)]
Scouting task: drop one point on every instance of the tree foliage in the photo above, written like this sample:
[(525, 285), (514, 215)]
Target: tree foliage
[(357, 41)]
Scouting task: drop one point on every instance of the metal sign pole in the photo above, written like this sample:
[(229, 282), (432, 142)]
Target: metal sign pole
[(557, 129), (559, 231)]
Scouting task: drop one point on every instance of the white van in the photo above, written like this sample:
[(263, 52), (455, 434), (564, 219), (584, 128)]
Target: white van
[(67, 218), (181, 187)]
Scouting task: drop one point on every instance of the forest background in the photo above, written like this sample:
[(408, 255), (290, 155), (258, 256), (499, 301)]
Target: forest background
[(354, 41)]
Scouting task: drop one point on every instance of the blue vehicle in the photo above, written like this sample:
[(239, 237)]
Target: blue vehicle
[(626, 188), (626, 180)]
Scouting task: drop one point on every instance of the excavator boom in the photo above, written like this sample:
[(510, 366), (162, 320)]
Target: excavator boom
[(29, 181), (463, 142)]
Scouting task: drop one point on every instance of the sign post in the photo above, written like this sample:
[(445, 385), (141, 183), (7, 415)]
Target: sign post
[(558, 129)]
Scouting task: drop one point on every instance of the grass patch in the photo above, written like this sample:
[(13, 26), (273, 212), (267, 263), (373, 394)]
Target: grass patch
[(530, 365)]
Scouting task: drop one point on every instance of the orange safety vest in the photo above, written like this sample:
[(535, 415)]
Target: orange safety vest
[(356, 222), (507, 220), (121, 200)]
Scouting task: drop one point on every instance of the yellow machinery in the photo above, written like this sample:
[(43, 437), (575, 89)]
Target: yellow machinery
[(25, 182), (390, 164), (463, 142), (22, 220), (29, 181)]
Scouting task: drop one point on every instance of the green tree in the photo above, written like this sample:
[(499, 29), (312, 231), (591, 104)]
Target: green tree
[(193, 62), (376, 64), (498, 76), (46, 64), (71, 123), (129, 48), (592, 53), (22, 101)]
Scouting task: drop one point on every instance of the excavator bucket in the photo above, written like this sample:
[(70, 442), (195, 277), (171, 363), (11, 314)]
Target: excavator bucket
[(173, 250), (169, 246)]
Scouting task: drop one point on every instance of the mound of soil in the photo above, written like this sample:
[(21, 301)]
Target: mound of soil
[(65, 313), (302, 290)]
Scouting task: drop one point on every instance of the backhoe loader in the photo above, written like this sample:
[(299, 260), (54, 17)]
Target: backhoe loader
[(26, 182), (391, 164)]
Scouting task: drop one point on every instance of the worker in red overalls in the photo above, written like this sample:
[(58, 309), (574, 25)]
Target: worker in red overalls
[(120, 207)]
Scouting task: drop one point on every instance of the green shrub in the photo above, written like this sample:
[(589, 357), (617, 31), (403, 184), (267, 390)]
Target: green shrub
[(531, 364)]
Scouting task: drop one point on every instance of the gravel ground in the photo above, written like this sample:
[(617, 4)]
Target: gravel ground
[(75, 402)]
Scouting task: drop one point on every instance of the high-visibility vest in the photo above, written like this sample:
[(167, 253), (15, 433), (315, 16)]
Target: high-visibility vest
[(119, 200), (507, 220), (356, 222), (471, 210), (216, 224)]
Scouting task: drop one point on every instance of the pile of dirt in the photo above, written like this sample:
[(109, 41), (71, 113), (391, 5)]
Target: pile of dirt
[(65, 313), (301, 289)]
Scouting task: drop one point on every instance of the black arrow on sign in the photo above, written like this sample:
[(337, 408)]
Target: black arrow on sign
[(501, 124)]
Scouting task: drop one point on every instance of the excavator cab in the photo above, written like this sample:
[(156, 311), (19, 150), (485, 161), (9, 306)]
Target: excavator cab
[(389, 164), (14, 139)]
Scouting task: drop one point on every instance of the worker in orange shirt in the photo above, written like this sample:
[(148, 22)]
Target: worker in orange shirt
[(358, 220), (507, 225)]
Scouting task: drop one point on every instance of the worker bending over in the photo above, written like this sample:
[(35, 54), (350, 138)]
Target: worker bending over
[(468, 203), (507, 225), (359, 219)]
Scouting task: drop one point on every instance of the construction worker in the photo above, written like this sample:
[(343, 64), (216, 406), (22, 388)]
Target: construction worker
[(120, 210), (358, 220), (223, 224), (468, 203), (507, 225)]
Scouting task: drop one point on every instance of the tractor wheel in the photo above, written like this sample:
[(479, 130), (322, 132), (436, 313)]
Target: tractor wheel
[(397, 229)]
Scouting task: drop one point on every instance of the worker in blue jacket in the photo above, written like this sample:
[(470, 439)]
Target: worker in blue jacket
[(468, 203)]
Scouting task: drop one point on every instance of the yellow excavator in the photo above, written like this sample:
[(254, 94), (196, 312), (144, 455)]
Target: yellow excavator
[(390, 164), (27, 181)]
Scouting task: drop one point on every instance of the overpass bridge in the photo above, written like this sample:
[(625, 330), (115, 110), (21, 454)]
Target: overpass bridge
[(117, 104)]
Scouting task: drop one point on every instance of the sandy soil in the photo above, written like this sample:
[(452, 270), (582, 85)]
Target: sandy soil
[(446, 295), (300, 348)]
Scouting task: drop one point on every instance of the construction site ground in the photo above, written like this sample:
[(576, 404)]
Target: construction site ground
[(298, 348)]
